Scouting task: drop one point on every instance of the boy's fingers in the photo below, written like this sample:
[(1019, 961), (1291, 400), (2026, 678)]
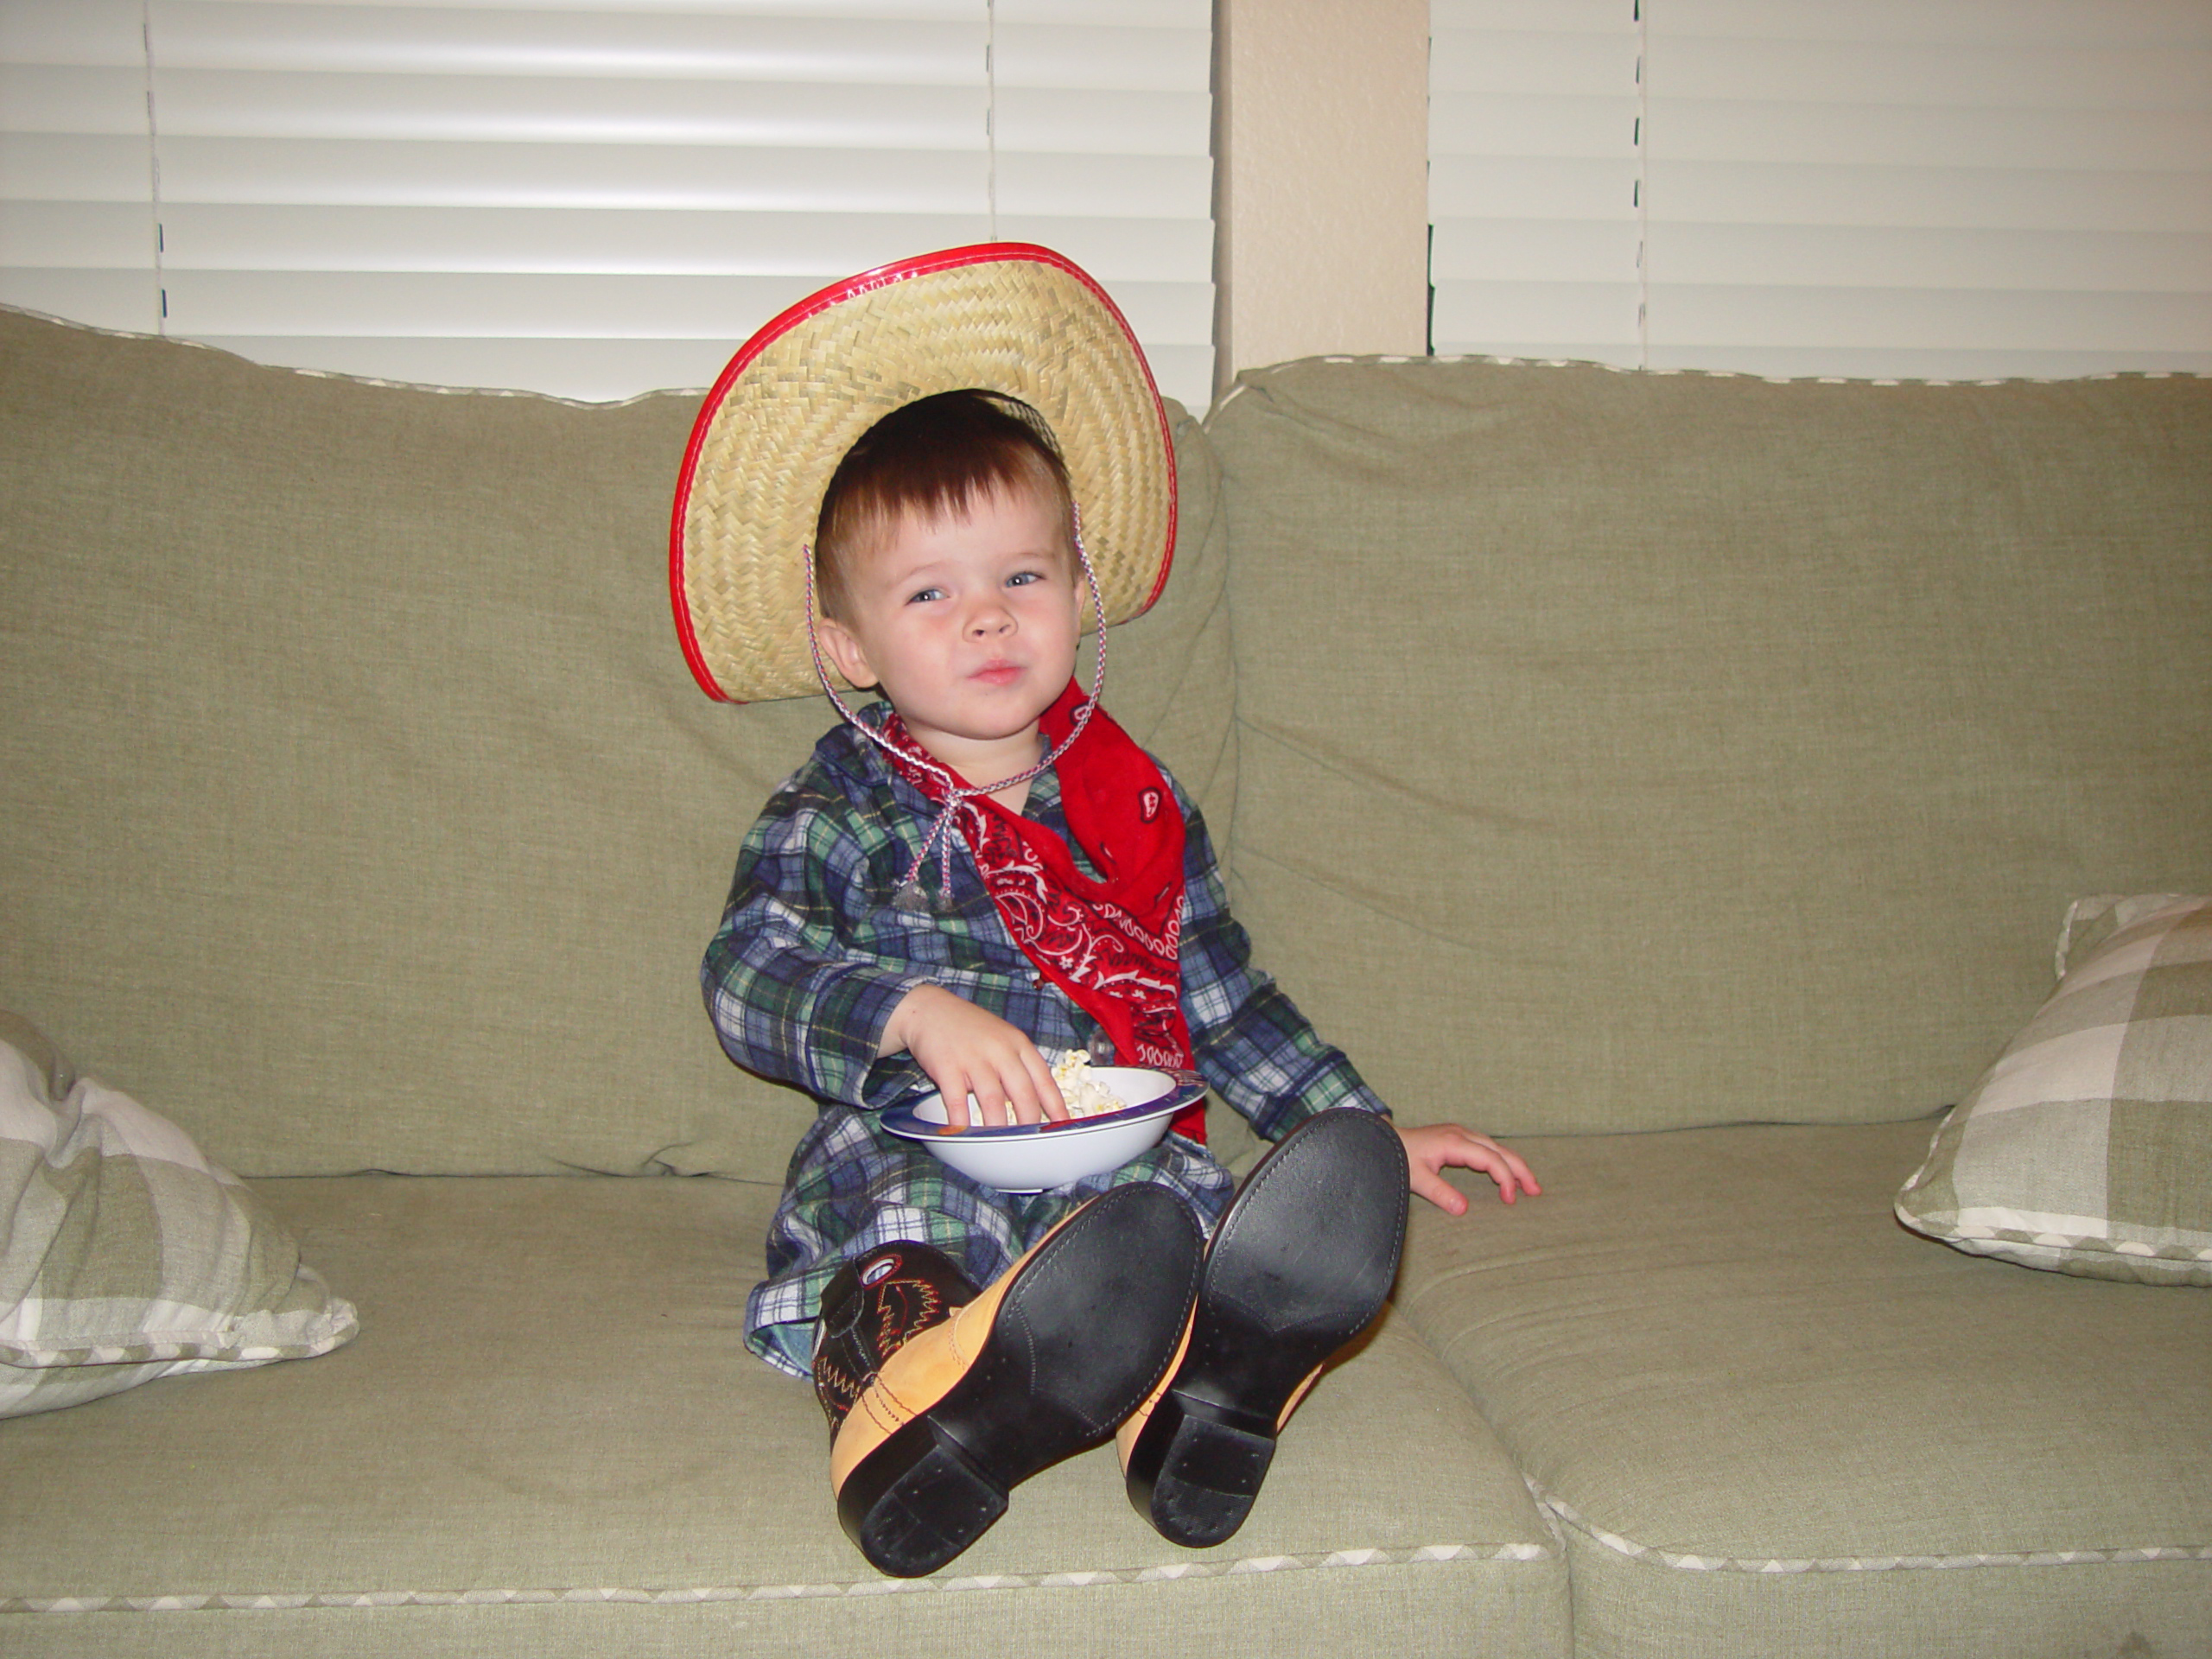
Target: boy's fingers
[(1439, 1192), (1016, 1091), (1048, 1091), (955, 1096), (1460, 1146), (1500, 1169), (992, 1097), (1023, 1088), (1014, 1097), (998, 1105), (1512, 1169)]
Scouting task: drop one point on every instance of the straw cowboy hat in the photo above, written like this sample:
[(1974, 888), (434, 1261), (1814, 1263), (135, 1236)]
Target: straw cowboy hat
[(1006, 317)]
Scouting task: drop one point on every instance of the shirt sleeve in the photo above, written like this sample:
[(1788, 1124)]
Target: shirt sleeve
[(1254, 1047), (792, 994)]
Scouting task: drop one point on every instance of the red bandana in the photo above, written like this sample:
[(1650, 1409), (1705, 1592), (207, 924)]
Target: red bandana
[(1111, 944)]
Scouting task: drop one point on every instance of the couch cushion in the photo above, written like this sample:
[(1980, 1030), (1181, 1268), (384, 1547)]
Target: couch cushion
[(2086, 1146), (1770, 1420), (1629, 751), (361, 810), (550, 1439)]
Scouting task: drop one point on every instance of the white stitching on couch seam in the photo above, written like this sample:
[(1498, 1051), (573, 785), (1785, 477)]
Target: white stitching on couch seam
[(699, 1595), (1247, 375), (1566, 1512), (358, 379)]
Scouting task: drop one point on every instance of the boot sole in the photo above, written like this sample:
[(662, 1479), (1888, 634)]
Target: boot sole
[(1084, 1333), (1302, 1263)]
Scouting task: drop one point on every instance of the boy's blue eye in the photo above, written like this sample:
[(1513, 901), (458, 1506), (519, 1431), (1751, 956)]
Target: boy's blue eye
[(1024, 579), (924, 594)]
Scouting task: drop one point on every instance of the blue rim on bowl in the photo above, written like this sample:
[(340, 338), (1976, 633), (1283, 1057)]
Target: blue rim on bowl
[(1178, 1090)]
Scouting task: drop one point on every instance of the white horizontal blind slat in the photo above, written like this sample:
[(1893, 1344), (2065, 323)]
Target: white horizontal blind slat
[(239, 304), (1950, 188), (611, 41), (1140, 14), (324, 172), (67, 167), (485, 109), (587, 186)]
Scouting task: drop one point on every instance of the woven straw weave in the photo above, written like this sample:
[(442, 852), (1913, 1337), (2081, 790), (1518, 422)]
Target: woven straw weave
[(1019, 321)]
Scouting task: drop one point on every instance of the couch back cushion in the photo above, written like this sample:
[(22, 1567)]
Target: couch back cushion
[(1630, 751), (358, 805)]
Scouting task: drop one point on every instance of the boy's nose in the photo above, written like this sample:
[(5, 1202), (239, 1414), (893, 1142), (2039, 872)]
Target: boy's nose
[(993, 617)]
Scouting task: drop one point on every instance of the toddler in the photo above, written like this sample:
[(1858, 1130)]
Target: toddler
[(982, 871)]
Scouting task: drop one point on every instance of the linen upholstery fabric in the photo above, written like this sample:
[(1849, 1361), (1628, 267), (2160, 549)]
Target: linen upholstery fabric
[(1626, 751), (374, 693), (1769, 1420), (52, 1065), (503, 1480), (125, 1256), (2087, 1148)]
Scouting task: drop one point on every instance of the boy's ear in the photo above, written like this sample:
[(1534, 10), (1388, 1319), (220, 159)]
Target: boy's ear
[(844, 651)]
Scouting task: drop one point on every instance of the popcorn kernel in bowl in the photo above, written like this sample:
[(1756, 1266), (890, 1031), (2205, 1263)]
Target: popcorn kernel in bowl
[(1083, 1097)]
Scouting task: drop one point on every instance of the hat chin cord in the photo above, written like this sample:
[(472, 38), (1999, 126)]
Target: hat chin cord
[(912, 896)]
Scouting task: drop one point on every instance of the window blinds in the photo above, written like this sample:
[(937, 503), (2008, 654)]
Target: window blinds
[(592, 198), (1938, 188)]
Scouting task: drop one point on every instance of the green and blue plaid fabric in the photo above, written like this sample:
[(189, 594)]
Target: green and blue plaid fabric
[(811, 957)]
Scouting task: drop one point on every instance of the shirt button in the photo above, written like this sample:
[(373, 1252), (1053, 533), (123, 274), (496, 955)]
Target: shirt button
[(1036, 979)]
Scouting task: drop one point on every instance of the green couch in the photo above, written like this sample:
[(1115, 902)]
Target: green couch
[(1682, 776)]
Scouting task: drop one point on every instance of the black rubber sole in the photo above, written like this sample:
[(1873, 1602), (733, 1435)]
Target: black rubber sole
[(1084, 1333), (1302, 1262)]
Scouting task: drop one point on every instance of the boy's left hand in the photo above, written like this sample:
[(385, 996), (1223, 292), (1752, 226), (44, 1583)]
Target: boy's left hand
[(1432, 1148)]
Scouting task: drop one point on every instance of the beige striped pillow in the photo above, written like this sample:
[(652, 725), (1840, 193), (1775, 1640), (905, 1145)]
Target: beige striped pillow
[(2087, 1146), (125, 1254)]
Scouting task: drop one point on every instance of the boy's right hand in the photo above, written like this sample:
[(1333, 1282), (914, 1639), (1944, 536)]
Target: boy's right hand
[(966, 1049)]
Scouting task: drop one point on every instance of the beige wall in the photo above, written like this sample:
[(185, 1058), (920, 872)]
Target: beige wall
[(1321, 215)]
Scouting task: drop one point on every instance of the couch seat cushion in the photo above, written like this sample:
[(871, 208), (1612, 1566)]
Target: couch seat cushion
[(550, 1439), (1771, 1421)]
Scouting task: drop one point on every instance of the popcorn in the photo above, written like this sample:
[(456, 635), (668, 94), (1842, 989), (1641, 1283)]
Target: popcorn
[(1084, 1097)]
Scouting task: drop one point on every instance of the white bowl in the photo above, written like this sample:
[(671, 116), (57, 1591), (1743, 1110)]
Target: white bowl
[(1032, 1157)]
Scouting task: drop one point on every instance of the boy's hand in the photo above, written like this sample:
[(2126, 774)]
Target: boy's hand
[(1433, 1146), (966, 1049)]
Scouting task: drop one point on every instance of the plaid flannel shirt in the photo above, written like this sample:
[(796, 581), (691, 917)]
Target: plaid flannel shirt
[(811, 957)]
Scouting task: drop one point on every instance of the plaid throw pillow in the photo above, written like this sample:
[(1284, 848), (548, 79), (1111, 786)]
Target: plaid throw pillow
[(125, 1253), (2087, 1146)]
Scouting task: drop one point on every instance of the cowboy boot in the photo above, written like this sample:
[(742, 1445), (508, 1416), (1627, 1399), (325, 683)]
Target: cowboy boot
[(1300, 1264), (871, 1309), (1047, 1361)]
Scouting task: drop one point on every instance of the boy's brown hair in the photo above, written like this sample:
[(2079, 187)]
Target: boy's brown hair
[(935, 458)]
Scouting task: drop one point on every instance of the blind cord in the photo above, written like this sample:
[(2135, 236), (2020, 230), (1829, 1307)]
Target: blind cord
[(991, 109), (1643, 189), (153, 168)]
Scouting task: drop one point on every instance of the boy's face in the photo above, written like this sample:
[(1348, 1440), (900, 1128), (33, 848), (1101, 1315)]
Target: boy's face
[(968, 624)]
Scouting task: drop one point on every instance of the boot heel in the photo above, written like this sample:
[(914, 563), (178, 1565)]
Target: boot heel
[(915, 1501), (1197, 1468)]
